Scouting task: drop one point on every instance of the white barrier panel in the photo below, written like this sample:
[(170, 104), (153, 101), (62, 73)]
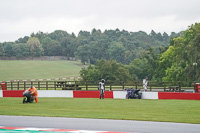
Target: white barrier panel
[(119, 94), (1, 93), (55, 93), (149, 95)]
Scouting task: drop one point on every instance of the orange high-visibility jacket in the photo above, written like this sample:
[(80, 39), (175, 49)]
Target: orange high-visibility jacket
[(33, 91)]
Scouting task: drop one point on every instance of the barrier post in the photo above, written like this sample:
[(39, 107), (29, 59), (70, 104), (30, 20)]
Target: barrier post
[(54, 85), (3, 86), (197, 87), (75, 85), (86, 85), (24, 85), (46, 85), (65, 84), (122, 85), (38, 85), (164, 86), (18, 85), (11, 85), (136, 85), (150, 86), (179, 86)]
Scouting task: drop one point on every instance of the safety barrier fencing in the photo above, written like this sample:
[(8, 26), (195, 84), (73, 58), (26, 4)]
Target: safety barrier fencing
[(108, 94), (79, 85)]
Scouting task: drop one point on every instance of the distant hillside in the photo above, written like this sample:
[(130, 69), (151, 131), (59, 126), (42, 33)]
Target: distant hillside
[(32, 69)]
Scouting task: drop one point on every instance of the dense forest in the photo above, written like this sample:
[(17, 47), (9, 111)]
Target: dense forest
[(121, 46), (179, 62), (118, 55)]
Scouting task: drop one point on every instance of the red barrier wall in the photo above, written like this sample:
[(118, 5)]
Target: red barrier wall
[(13, 93), (91, 94), (109, 94), (176, 95)]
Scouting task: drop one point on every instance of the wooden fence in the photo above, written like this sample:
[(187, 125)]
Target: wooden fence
[(77, 85)]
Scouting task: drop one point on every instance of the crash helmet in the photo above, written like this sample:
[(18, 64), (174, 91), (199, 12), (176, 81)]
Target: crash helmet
[(102, 80)]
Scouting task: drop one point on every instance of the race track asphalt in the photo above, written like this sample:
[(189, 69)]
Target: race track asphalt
[(98, 124)]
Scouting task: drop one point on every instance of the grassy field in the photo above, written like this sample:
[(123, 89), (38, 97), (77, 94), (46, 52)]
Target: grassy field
[(183, 111), (36, 69)]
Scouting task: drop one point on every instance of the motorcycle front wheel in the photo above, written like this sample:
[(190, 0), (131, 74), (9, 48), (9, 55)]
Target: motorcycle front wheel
[(24, 100)]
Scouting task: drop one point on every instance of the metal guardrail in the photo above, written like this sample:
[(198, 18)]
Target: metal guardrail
[(78, 85)]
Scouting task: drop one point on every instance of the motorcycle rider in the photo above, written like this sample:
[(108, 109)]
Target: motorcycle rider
[(145, 83), (102, 88), (34, 93)]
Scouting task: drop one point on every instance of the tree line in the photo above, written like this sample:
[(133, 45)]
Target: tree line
[(121, 46), (179, 62), (119, 55)]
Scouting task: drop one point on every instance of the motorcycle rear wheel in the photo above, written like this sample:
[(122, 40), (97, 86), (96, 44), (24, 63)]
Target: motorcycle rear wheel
[(127, 96)]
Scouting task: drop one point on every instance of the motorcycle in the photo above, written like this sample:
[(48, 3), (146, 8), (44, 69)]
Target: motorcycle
[(133, 94), (27, 97)]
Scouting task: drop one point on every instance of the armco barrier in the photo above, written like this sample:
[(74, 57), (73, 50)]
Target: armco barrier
[(176, 95), (91, 94)]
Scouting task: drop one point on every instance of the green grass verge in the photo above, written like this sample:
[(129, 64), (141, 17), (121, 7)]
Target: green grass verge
[(183, 111), (36, 69)]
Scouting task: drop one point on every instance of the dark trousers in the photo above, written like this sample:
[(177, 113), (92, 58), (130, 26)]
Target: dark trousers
[(102, 93)]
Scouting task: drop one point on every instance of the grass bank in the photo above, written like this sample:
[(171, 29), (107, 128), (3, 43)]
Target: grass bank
[(182, 111), (37, 69)]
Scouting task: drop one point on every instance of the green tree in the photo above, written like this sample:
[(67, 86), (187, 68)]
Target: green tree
[(166, 37), (24, 49), (117, 51), (181, 55), (54, 48), (35, 46), (22, 40), (138, 69), (68, 46), (45, 45), (108, 70), (83, 53), (58, 35), (8, 48), (2, 53), (17, 51)]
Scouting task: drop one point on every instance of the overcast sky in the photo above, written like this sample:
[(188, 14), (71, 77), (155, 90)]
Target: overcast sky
[(19, 18)]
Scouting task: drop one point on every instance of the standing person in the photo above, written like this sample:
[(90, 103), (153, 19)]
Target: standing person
[(145, 83), (34, 93), (102, 88)]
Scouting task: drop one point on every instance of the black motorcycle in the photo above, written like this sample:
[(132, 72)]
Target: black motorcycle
[(133, 94), (27, 97)]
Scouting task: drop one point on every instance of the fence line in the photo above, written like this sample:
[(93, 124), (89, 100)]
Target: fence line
[(78, 85), (52, 79)]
